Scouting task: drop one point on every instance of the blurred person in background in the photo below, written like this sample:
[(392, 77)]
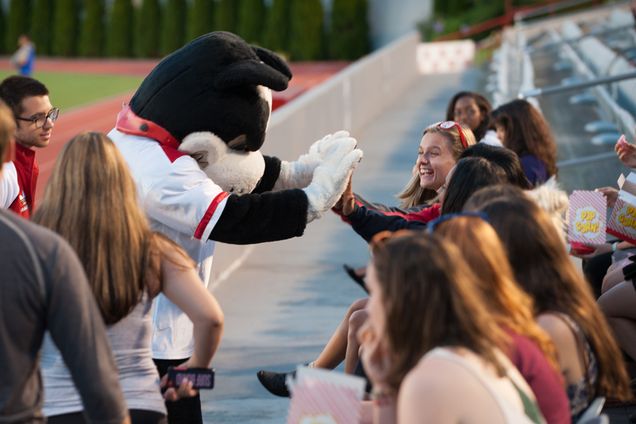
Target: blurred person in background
[(24, 58), (43, 288)]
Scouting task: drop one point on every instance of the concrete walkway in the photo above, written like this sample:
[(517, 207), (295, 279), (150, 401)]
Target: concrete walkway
[(283, 302)]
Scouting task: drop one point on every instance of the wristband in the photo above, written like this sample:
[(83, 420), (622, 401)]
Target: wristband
[(382, 396), (614, 246)]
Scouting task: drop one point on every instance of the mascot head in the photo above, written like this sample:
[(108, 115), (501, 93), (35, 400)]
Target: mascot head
[(217, 83)]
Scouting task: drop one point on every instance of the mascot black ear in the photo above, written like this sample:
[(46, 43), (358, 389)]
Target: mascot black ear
[(251, 72), (273, 60)]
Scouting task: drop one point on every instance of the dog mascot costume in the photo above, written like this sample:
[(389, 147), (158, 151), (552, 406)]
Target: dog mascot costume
[(191, 136)]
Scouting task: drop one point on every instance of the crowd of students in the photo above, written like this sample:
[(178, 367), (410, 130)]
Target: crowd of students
[(497, 205), (472, 293)]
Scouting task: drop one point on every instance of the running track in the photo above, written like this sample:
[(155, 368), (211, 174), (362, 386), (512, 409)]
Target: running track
[(100, 116)]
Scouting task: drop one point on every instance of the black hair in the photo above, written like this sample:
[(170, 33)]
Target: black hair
[(15, 88), (505, 158), (484, 107), (469, 175)]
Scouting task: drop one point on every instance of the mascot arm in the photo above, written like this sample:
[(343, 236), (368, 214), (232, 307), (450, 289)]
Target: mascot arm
[(257, 218), (272, 171)]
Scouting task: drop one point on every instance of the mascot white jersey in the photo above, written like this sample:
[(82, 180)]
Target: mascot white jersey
[(202, 109)]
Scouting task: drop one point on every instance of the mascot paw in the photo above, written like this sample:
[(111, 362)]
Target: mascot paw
[(298, 174), (234, 171), (330, 179)]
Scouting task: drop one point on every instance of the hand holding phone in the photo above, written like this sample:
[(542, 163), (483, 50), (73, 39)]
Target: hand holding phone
[(201, 378)]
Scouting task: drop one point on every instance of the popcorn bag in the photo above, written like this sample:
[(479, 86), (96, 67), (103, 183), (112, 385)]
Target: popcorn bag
[(622, 222), (323, 397), (587, 215)]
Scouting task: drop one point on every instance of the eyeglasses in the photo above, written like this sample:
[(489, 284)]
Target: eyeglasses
[(430, 228), (39, 120), (447, 125)]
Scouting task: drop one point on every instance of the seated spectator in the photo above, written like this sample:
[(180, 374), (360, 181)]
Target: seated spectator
[(472, 110), (596, 264), (618, 302), (43, 288), (564, 305), (522, 129), (440, 148), (465, 178), (446, 366), (504, 158), (127, 266), (531, 349)]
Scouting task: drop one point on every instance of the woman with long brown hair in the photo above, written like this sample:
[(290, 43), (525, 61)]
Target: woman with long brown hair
[(531, 349), (563, 303), (522, 129), (91, 201), (430, 339)]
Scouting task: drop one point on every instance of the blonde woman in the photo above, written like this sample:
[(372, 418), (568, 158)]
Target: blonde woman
[(91, 201)]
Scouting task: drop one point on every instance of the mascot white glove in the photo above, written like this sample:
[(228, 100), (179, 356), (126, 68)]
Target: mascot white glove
[(331, 176), (299, 174)]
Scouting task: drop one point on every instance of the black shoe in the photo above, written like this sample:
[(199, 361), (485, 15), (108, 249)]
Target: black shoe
[(274, 382), (351, 272)]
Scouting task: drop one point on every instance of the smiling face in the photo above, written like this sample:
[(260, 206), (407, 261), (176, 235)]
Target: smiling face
[(467, 113), (27, 133), (434, 160)]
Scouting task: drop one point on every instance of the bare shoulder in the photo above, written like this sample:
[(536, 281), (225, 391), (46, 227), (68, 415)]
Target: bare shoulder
[(172, 255), (430, 391), (435, 377), (555, 326)]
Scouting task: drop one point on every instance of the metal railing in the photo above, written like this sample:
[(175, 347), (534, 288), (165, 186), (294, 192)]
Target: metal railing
[(597, 33), (555, 89), (519, 17)]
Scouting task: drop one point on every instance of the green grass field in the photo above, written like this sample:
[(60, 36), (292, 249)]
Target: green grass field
[(69, 90)]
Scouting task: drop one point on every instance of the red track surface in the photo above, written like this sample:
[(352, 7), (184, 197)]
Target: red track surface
[(101, 116)]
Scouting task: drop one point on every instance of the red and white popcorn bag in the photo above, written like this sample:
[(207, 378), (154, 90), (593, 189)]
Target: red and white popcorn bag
[(325, 397), (587, 215), (622, 221)]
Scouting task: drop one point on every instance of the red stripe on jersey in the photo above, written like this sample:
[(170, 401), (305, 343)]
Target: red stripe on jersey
[(208, 214)]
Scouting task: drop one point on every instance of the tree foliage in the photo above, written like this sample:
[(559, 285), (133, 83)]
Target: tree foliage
[(349, 32), (306, 33), (226, 15), (276, 36), (40, 25), (92, 28), (65, 27), (17, 22), (119, 39), (201, 18), (173, 26), (147, 36), (251, 15)]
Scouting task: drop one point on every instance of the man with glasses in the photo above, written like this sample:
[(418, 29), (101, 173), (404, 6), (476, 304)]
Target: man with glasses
[(34, 117)]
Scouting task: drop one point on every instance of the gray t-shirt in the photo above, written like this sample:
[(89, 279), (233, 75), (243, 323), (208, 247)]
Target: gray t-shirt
[(43, 287)]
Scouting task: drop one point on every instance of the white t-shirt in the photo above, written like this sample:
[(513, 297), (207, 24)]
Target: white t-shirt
[(9, 187), (183, 203)]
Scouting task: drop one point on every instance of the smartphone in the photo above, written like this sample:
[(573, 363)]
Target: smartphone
[(201, 378)]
